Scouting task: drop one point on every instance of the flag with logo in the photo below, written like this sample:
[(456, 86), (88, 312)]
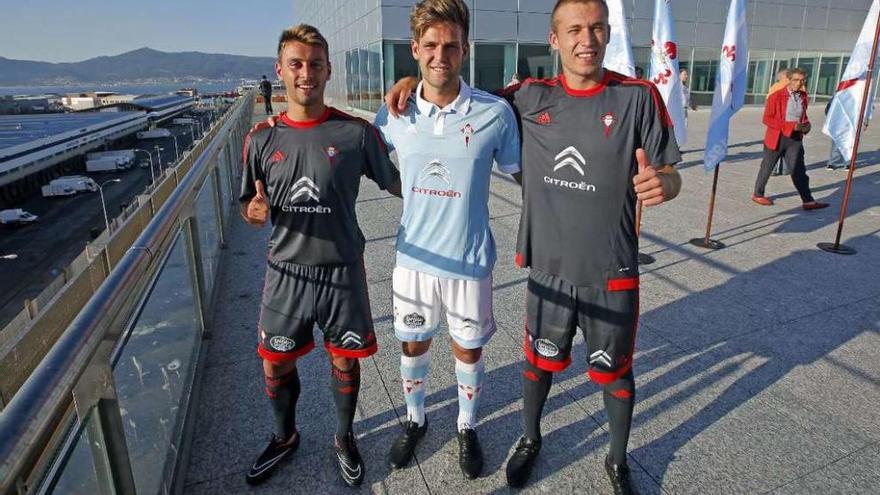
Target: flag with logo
[(664, 67), (840, 123), (618, 53), (730, 83)]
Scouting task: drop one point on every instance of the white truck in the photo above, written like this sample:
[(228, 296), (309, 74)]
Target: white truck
[(126, 154), (154, 134), (16, 216), (107, 164), (69, 185)]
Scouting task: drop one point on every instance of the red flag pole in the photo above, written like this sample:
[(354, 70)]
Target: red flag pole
[(706, 242), (644, 259), (837, 247)]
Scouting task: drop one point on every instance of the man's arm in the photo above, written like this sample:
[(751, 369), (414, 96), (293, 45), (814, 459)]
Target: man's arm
[(804, 126), (397, 96), (394, 189)]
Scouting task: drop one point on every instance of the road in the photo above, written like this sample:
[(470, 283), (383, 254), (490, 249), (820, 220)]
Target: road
[(44, 249)]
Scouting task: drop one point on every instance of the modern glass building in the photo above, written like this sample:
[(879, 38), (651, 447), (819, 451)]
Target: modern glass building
[(369, 42)]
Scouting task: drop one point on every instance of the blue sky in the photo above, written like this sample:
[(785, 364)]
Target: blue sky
[(70, 31)]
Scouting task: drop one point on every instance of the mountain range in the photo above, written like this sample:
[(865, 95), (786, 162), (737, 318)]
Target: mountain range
[(144, 64)]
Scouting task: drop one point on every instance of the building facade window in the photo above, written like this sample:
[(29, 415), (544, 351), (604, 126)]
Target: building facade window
[(494, 65), (534, 61)]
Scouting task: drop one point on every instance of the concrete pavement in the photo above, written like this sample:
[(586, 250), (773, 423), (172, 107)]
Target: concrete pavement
[(757, 366)]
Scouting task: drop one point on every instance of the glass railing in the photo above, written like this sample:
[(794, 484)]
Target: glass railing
[(105, 411)]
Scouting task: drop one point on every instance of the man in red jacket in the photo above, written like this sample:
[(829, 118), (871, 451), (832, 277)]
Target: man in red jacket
[(785, 116)]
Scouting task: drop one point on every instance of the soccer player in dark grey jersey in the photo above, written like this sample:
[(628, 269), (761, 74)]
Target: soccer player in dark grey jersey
[(590, 138), (304, 173)]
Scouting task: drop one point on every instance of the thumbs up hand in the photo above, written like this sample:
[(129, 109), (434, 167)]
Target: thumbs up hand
[(648, 184), (257, 211)]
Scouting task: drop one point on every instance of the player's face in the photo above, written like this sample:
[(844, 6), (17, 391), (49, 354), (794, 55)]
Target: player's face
[(305, 71), (581, 36), (440, 52)]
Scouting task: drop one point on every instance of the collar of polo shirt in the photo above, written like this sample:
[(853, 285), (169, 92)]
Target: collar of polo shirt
[(461, 103)]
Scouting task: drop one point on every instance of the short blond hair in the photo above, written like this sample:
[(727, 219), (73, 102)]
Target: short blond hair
[(303, 33), (560, 3), (430, 12)]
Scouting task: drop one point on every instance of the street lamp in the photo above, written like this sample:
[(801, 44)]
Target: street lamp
[(198, 122), (176, 152), (104, 205), (150, 155), (159, 154)]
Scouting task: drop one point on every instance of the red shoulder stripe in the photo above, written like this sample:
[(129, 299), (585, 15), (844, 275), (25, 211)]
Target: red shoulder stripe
[(247, 140), (665, 119), (365, 122)]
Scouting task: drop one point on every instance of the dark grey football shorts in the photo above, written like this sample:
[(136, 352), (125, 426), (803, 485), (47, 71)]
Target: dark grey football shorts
[(297, 297)]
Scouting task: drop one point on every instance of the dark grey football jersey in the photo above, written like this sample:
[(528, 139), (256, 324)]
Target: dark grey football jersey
[(578, 161), (311, 172)]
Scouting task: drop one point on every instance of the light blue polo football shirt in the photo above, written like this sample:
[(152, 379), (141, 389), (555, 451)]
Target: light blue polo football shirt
[(445, 157)]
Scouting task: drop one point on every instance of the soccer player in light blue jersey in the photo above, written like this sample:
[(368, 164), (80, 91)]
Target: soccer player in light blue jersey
[(446, 142)]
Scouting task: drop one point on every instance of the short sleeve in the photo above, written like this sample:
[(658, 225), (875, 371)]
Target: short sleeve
[(383, 125), (252, 170), (378, 165), (507, 156), (657, 137)]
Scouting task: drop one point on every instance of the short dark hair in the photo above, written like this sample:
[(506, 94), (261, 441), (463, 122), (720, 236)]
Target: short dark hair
[(560, 3), (797, 70)]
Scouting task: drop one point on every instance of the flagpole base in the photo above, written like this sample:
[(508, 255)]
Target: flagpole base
[(646, 259), (707, 244), (830, 247)]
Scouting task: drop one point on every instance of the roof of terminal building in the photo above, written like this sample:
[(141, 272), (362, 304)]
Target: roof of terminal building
[(160, 102), (20, 129)]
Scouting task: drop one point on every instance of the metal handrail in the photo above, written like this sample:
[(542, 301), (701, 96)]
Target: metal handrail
[(37, 408)]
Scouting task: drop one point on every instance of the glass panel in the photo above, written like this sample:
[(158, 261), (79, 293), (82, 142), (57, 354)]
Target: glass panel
[(399, 62), (225, 181), (209, 238), (351, 73), (810, 63), (363, 79), (77, 471), (759, 77), (705, 67), (642, 59), (535, 61), (374, 55), (154, 373), (493, 65), (828, 75)]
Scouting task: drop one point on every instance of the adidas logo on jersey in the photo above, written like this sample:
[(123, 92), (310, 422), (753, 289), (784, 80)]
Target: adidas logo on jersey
[(544, 119), (303, 191), (570, 158), (276, 157)]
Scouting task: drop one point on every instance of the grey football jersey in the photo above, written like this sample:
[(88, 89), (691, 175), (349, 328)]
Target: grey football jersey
[(311, 172), (578, 161)]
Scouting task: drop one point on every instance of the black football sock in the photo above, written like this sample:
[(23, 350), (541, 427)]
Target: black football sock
[(536, 387), (619, 397)]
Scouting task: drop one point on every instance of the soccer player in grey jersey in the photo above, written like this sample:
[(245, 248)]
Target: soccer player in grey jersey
[(590, 138), (304, 173)]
